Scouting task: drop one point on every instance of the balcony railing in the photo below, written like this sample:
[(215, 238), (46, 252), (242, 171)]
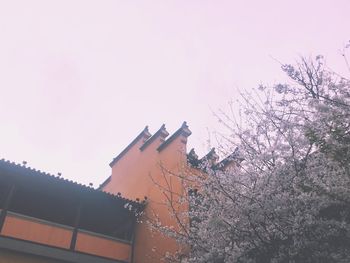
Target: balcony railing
[(52, 234), (102, 245)]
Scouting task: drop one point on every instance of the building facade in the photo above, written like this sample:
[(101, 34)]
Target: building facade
[(45, 218), (142, 170)]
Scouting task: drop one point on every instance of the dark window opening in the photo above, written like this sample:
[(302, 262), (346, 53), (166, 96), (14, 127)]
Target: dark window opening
[(112, 220), (43, 206)]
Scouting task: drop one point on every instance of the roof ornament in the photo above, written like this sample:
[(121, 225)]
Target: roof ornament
[(192, 158)]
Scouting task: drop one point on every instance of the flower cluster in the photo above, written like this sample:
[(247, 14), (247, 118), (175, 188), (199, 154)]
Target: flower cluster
[(288, 197)]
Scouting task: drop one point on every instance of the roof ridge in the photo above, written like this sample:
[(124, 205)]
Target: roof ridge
[(161, 131), (183, 129), (144, 133)]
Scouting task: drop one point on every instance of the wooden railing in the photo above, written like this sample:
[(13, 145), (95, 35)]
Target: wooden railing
[(102, 245), (49, 233)]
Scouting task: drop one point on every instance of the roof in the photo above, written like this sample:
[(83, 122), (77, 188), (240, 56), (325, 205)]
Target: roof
[(144, 134), (161, 132), (211, 159), (22, 172), (183, 130), (233, 157)]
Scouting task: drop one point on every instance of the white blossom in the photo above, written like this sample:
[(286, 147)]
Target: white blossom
[(288, 200)]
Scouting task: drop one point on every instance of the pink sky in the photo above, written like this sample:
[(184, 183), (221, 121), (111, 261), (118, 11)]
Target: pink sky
[(80, 79)]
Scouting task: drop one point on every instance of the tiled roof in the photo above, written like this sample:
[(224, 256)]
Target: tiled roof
[(145, 133), (13, 167), (161, 132), (184, 130)]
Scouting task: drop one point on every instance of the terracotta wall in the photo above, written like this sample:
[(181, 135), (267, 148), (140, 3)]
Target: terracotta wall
[(37, 231), (102, 246), (47, 233), (135, 175)]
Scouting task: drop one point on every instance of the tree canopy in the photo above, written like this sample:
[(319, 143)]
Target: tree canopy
[(287, 199)]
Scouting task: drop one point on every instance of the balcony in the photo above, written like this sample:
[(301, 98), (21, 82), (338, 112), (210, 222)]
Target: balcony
[(53, 218), (34, 230)]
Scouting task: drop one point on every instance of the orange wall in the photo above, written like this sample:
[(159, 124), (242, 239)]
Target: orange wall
[(134, 175), (23, 228), (93, 244)]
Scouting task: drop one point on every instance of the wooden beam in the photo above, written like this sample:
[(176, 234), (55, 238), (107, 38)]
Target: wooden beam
[(7, 203), (133, 236), (76, 226)]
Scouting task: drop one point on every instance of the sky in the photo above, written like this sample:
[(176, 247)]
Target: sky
[(80, 79)]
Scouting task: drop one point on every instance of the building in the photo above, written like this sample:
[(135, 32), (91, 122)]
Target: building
[(139, 171), (45, 218), (48, 219)]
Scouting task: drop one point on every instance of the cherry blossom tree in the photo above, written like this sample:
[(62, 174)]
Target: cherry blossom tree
[(286, 198)]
